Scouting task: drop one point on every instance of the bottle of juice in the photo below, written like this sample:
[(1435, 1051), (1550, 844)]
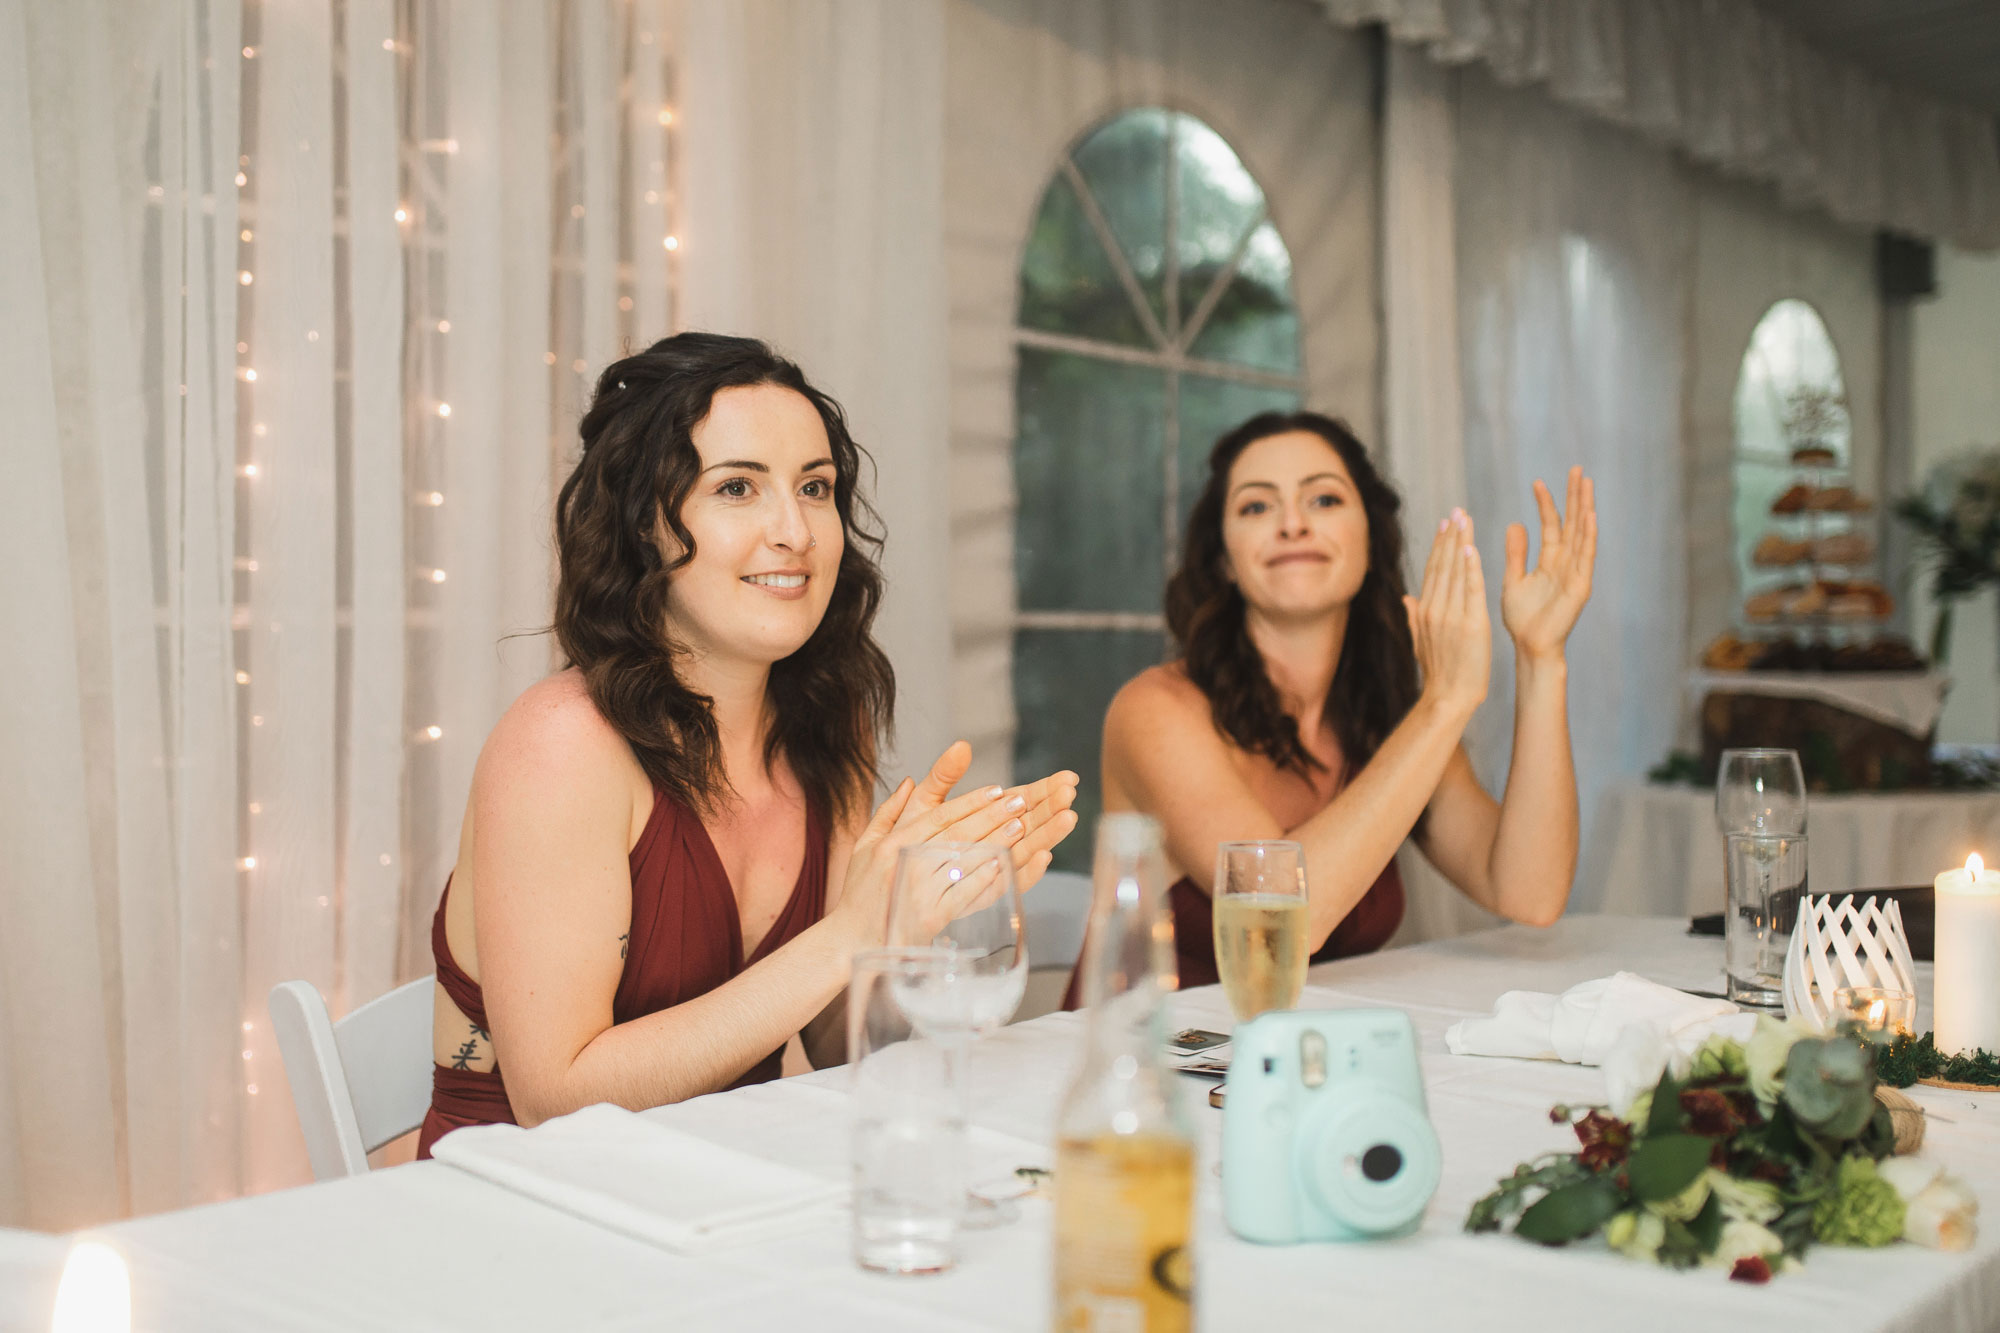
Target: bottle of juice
[(1125, 1155)]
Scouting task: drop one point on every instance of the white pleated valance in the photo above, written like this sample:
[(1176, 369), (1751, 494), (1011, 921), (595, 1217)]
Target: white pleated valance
[(1735, 89)]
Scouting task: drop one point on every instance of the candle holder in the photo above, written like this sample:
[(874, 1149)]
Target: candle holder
[(1881, 1012), (1838, 946)]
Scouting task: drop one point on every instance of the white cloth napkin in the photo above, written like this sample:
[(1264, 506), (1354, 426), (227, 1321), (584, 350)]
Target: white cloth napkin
[(1623, 1022), (624, 1172)]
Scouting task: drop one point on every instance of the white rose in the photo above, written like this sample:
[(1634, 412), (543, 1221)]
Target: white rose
[(1637, 1234), (1743, 1239), (1748, 1200), (1938, 1209), (1765, 1054)]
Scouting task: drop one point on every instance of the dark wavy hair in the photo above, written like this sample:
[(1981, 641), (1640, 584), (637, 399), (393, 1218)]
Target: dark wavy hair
[(831, 701), (1375, 682)]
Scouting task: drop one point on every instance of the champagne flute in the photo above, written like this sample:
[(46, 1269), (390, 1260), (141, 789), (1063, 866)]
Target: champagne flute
[(1761, 792), (961, 899), (1260, 924)]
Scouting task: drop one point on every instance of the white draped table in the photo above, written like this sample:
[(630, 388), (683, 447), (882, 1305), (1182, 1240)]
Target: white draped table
[(426, 1247), (1657, 852)]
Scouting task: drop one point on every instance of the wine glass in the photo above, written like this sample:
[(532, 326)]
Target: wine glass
[(1260, 924), (1761, 792), (961, 899)]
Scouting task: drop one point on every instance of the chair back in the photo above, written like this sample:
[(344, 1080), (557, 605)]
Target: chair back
[(1054, 914), (358, 1083)]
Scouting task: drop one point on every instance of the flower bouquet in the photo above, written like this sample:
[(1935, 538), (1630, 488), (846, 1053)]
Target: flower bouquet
[(1957, 518), (1739, 1158)]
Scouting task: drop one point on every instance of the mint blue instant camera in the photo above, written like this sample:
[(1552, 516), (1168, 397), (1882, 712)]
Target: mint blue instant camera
[(1324, 1131)]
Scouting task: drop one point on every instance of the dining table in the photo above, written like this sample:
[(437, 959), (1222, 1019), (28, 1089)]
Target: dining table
[(425, 1246)]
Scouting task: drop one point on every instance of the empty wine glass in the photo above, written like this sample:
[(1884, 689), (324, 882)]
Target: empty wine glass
[(1761, 792), (961, 899)]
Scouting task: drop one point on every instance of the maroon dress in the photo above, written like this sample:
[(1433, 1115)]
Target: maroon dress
[(1363, 930), (686, 939)]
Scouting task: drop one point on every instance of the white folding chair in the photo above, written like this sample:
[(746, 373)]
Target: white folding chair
[(357, 1083), (1054, 914)]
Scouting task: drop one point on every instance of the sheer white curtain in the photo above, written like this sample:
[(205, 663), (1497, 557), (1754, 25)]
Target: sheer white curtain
[(1574, 254), (301, 303), (813, 174)]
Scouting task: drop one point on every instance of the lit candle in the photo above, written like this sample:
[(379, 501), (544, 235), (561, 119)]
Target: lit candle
[(1883, 1013), (1967, 986)]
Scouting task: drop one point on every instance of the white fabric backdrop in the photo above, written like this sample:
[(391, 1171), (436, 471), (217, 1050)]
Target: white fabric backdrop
[(1737, 90), (1574, 251), (813, 178), (292, 355)]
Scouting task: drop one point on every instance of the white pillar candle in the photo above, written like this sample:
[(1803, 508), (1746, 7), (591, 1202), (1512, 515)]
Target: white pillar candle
[(1966, 998)]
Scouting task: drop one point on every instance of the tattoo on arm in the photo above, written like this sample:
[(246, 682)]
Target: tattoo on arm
[(624, 943), (469, 1052)]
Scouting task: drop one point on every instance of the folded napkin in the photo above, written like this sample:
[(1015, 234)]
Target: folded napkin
[(1624, 1022), (629, 1174)]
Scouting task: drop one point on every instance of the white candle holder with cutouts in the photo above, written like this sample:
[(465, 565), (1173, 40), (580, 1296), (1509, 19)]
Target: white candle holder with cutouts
[(1837, 946)]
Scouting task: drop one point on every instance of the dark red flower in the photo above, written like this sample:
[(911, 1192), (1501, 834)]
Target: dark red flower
[(1710, 1112), (1751, 1268), (1606, 1140)]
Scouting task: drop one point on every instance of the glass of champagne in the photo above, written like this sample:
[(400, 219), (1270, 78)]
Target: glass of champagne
[(1260, 924), (961, 900)]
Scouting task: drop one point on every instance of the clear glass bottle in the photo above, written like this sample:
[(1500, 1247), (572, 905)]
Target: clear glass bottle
[(1125, 1155)]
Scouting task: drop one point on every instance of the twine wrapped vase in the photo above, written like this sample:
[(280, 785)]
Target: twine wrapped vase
[(1837, 945)]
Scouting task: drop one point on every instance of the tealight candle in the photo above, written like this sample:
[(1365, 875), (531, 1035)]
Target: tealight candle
[(1967, 986), (1884, 1013)]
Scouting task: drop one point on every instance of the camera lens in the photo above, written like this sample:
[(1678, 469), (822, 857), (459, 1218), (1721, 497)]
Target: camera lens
[(1381, 1162)]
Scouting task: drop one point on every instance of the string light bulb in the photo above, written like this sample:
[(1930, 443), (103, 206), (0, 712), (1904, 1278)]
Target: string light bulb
[(436, 576), (245, 278), (247, 863), (248, 469), (434, 499), (444, 326), (249, 53), (444, 409), (242, 180), (402, 215), (242, 678), (671, 242), (433, 731), (666, 115)]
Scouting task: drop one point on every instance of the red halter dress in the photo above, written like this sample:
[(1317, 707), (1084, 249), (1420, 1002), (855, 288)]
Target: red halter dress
[(686, 939)]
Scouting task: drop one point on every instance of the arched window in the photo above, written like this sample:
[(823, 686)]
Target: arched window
[(1796, 519), (1156, 312)]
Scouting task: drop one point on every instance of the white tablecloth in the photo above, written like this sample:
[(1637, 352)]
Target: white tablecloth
[(428, 1247), (1656, 851)]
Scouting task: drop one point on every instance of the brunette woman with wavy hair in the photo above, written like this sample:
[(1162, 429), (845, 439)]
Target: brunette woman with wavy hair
[(1314, 699), (666, 862)]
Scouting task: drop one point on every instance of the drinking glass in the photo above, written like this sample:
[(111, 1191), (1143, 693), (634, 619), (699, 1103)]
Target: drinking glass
[(1767, 877), (961, 899), (1260, 924), (1760, 791), (909, 1120)]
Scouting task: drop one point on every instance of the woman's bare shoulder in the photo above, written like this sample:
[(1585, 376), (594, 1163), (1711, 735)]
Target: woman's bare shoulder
[(554, 734), (1157, 694)]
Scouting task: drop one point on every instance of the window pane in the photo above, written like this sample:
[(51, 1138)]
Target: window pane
[(1789, 394), (1219, 204), (1089, 473), (1067, 282), (1063, 682), (1254, 323), (1125, 165), (1210, 409)]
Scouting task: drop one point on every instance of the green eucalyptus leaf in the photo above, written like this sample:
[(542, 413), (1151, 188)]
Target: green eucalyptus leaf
[(1666, 1116), (1569, 1213), (1662, 1167), (1830, 1086)]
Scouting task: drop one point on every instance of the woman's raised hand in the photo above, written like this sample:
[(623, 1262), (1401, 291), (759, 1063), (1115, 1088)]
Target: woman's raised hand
[(1454, 638), (1029, 819), (1540, 607)]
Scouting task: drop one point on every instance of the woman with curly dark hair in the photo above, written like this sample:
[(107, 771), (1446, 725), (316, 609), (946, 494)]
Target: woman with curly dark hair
[(666, 862), (1313, 699)]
